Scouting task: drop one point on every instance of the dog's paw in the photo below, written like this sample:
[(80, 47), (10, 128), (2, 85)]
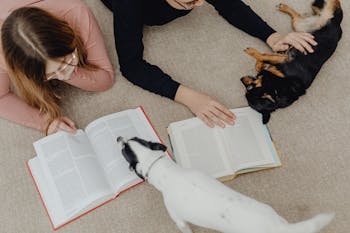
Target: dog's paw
[(251, 51), (282, 7)]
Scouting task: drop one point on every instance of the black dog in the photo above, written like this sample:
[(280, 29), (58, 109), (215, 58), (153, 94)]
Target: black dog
[(282, 78)]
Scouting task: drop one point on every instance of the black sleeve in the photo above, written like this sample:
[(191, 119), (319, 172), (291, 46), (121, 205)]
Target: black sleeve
[(128, 33), (243, 17)]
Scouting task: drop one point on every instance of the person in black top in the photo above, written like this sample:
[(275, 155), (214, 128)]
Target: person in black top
[(131, 15)]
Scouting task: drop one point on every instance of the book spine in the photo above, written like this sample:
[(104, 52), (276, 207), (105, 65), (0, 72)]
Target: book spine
[(149, 121), (172, 148), (126, 189)]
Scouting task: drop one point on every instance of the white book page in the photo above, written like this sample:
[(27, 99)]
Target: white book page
[(57, 217), (197, 146), (72, 171), (103, 134), (246, 140)]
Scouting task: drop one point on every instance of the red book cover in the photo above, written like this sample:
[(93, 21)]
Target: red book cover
[(117, 195)]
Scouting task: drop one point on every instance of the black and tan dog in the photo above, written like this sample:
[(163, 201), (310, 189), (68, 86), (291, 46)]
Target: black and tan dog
[(282, 78)]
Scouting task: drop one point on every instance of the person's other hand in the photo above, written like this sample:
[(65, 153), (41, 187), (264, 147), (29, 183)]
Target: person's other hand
[(62, 124), (206, 108), (300, 40)]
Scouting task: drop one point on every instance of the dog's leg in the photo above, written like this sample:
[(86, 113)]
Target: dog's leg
[(288, 10), (259, 66), (275, 71), (180, 223), (323, 11), (267, 61), (273, 58), (295, 15)]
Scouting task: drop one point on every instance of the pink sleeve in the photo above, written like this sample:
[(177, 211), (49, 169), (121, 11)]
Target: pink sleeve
[(16, 110), (82, 19)]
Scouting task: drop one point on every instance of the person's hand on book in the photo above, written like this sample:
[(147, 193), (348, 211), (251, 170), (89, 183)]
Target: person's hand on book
[(62, 124), (205, 107)]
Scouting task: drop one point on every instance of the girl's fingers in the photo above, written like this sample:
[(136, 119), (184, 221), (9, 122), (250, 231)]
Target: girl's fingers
[(309, 38), (222, 116), (225, 111), (69, 122), (206, 120), (304, 44), (67, 125), (63, 126), (215, 119)]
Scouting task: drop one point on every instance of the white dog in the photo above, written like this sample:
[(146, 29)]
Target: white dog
[(191, 196)]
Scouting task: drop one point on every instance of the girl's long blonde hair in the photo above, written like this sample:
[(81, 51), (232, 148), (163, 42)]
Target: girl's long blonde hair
[(30, 36)]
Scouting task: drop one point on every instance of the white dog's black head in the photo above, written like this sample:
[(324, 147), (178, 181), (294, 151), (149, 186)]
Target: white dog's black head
[(138, 152)]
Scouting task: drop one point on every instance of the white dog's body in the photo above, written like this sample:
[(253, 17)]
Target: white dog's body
[(191, 196)]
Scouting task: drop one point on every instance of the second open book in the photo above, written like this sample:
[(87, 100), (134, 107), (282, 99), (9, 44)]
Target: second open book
[(77, 173), (224, 153)]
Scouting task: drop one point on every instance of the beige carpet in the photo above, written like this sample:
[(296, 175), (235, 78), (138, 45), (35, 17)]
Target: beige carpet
[(203, 51)]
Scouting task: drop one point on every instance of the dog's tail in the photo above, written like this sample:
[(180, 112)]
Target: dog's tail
[(312, 225), (338, 13)]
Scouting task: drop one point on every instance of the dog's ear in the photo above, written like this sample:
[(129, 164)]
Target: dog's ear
[(139, 172), (130, 156), (141, 141), (149, 144), (266, 117), (158, 146)]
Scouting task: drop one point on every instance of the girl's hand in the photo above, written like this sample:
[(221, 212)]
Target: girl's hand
[(206, 108), (62, 124), (300, 40)]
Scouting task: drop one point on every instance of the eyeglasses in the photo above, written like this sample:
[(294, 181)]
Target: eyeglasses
[(66, 67), (186, 5)]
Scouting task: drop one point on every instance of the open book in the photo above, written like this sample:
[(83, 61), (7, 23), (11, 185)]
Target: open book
[(75, 174), (224, 152)]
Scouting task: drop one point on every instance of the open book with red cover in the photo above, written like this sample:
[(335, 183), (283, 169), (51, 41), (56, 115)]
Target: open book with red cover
[(75, 174)]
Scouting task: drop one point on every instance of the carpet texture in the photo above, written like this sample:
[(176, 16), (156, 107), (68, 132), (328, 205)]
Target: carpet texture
[(203, 51)]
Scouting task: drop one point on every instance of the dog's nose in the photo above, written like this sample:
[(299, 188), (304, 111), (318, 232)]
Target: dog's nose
[(120, 139)]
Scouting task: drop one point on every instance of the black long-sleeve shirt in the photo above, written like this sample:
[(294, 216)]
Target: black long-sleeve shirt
[(131, 15)]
